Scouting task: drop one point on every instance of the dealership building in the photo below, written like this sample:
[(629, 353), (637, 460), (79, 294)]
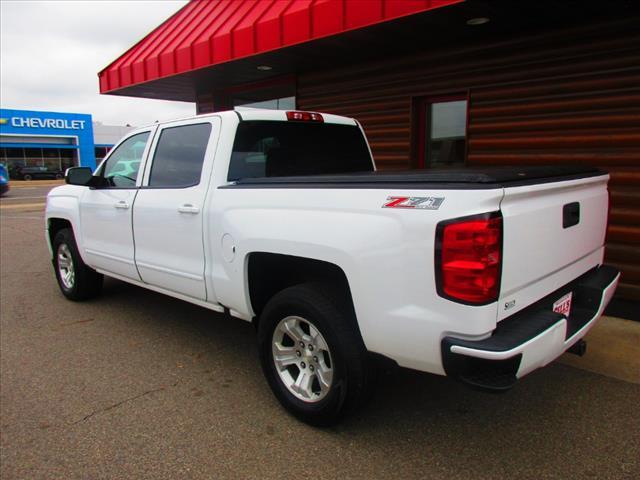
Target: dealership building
[(435, 83), (54, 140)]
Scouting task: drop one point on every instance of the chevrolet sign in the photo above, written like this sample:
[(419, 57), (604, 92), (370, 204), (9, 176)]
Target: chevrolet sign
[(56, 123)]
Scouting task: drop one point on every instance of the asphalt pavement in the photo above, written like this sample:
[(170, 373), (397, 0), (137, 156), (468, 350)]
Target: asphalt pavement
[(138, 385), (29, 195)]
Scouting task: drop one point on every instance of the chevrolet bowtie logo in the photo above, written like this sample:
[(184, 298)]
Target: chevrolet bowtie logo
[(4, 121)]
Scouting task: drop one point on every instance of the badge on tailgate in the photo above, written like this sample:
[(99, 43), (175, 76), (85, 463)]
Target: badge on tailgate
[(563, 305), (423, 203)]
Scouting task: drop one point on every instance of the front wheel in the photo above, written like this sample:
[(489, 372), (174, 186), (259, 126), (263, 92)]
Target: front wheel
[(76, 280), (312, 354)]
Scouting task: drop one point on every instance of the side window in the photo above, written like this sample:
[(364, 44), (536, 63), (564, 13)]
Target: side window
[(179, 156), (121, 169)]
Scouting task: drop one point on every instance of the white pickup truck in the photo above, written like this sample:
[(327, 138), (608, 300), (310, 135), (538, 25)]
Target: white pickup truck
[(279, 218)]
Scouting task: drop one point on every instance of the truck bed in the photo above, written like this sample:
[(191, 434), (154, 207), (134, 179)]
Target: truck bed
[(458, 178)]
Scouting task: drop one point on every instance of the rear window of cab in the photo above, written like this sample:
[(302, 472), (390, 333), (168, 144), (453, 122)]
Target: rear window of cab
[(281, 149)]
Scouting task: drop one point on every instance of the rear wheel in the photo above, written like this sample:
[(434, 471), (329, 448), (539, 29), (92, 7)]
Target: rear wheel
[(312, 354), (59, 176), (76, 280), (27, 177), (302, 359)]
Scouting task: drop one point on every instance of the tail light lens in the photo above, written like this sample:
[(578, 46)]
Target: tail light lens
[(469, 258), (298, 116)]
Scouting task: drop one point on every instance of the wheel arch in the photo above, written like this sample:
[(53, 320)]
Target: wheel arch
[(63, 211), (269, 273), (54, 225)]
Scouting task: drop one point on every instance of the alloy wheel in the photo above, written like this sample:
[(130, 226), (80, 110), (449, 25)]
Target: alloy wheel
[(65, 266), (302, 359)]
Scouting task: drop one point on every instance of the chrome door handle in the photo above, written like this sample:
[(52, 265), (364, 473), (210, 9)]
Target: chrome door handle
[(121, 204), (188, 208)]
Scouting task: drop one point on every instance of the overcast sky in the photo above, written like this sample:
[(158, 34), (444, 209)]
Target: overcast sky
[(51, 52)]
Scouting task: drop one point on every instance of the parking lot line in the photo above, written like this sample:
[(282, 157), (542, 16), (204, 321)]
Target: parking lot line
[(22, 184), (6, 216), (22, 206), (22, 198)]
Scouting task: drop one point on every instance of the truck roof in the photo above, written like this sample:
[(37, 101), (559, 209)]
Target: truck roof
[(248, 114)]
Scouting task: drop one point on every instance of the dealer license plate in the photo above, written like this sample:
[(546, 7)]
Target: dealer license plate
[(563, 305)]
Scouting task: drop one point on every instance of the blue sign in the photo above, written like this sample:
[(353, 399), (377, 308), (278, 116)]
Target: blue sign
[(77, 127)]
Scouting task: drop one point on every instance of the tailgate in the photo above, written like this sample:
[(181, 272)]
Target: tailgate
[(553, 233)]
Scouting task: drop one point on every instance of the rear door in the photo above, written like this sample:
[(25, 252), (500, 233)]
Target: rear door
[(168, 217), (553, 233)]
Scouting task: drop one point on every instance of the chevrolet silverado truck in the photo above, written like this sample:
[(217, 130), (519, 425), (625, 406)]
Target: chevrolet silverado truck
[(281, 219)]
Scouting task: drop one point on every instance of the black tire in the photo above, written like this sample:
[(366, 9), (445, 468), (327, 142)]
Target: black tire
[(27, 177), (87, 283), (332, 315), (59, 176)]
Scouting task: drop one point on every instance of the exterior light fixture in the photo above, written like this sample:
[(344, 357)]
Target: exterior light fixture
[(478, 21), (264, 68)]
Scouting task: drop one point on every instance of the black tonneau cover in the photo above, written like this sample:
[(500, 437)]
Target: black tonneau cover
[(460, 178)]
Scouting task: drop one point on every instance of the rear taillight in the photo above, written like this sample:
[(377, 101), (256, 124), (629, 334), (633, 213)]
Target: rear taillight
[(469, 258), (304, 116)]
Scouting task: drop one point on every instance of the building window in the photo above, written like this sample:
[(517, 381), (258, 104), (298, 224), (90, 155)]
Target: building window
[(33, 157), (68, 158), (13, 156), (284, 103), (443, 132), (275, 94), (47, 158), (51, 159), (101, 152)]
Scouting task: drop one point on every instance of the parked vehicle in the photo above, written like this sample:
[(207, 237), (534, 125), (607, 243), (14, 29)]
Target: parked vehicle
[(35, 173), (4, 180), (279, 218)]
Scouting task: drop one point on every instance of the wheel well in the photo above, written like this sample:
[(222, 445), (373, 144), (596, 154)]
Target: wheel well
[(55, 225), (270, 273)]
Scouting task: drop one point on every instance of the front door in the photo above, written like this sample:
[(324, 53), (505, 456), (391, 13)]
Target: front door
[(106, 212), (169, 209)]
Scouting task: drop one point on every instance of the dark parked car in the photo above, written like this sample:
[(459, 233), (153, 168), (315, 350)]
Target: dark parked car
[(35, 173), (4, 180)]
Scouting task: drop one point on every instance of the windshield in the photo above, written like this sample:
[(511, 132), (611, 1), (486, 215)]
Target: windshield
[(281, 149)]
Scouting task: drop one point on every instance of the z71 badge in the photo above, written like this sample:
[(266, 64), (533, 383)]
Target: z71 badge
[(425, 203)]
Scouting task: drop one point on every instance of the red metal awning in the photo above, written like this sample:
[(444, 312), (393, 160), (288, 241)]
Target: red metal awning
[(205, 33)]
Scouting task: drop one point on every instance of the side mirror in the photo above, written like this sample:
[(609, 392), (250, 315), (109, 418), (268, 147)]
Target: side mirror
[(78, 176)]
